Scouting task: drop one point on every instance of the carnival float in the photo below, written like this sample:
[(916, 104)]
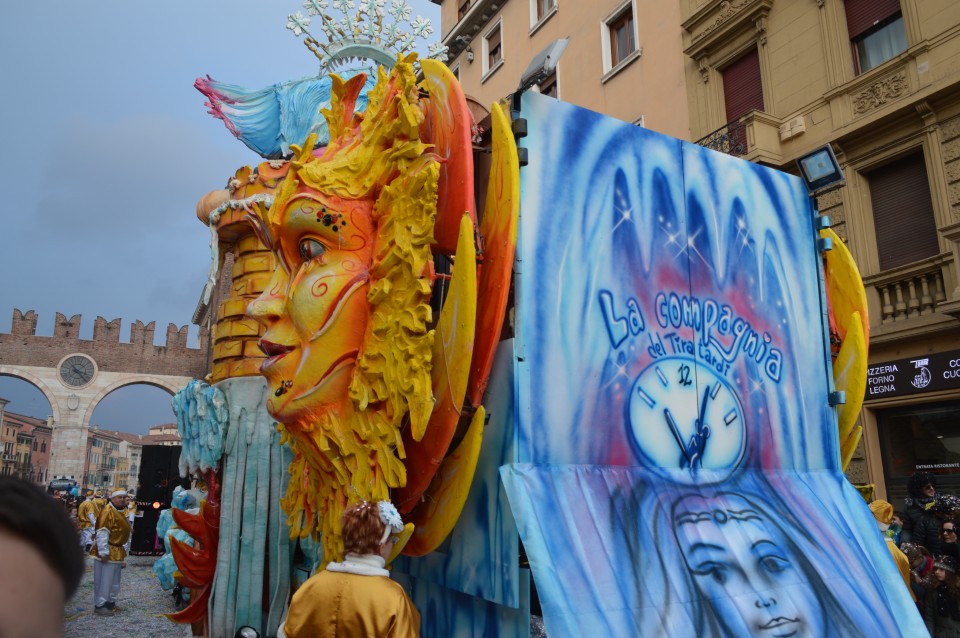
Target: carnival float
[(634, 378)]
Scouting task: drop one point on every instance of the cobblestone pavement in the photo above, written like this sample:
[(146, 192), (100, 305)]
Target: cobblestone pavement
[(144, 604), (142, 600)]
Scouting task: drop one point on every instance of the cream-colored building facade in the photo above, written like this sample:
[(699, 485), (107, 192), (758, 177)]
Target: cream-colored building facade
[(879, 81), (616, 64), (770, 81)]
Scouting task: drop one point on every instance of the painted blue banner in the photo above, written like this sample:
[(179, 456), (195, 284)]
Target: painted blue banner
[(679, 462)]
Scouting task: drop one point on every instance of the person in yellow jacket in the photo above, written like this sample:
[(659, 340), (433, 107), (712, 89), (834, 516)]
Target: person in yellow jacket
[(98, 503), (356, 597), (883, 512), (111, 543), (87, 517)]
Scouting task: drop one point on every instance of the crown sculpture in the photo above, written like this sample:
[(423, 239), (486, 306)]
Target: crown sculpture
[(368, 384)]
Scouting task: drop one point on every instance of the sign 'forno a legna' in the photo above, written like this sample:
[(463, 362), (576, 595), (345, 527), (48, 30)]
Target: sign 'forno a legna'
[(930, 373)]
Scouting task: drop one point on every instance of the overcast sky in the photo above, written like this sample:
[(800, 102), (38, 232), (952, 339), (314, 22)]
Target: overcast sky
[(108, 147)]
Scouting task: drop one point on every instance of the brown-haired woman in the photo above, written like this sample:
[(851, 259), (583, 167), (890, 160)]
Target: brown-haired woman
[(356, 597), (943, 603)]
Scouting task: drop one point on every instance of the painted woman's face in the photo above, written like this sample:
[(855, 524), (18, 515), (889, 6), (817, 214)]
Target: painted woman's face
[(315, 307), (744, 569)]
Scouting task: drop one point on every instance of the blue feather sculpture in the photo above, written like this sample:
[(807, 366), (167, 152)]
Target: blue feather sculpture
[(269, 120)]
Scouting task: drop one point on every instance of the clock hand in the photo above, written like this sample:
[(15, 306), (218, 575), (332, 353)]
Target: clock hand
[(703, 404), (676, 433)]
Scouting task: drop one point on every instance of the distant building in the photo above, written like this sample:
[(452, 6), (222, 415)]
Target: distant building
[(624, 59), (114, 458), (103, 453), (25, 445), (879, 82), (163, 434)]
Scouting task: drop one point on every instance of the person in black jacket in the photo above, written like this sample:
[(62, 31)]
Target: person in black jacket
[(920, 525)]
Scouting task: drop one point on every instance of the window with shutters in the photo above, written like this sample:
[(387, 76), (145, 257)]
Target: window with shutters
[(876, 32), (903, 212), (492, 50), (742, 86), (742, 93)]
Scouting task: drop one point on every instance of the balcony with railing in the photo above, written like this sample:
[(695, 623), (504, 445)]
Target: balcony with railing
[(912, 298), (755, 137), (731, 138)]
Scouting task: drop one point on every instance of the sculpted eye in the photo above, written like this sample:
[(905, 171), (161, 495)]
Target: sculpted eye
[(311, 249)]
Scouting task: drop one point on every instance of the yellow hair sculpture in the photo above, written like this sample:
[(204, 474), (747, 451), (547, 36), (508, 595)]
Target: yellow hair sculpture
[(348, 338)]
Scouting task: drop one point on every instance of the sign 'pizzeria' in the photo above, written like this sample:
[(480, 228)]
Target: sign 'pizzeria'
[(930, 373)]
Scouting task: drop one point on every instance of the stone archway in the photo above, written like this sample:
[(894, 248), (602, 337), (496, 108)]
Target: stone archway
[(18, 373), (157, 382), (75, 374)]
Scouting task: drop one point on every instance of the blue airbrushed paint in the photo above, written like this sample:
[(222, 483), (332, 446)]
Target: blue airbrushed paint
[(604, 529)]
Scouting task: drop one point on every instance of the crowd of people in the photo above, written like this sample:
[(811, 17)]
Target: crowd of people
[(923, 542), (356, 596)]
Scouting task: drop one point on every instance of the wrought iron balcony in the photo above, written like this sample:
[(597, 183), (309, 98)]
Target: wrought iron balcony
[(731, 138)]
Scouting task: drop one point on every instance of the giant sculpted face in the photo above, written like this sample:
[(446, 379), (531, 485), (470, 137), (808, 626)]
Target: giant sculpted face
[(315, 308), (347, 314)]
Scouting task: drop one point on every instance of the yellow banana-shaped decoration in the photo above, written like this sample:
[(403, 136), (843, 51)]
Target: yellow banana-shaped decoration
[(436, 516), (850, 375), (452, 347)]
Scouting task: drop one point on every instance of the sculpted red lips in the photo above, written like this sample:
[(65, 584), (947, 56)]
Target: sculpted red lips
[(274, 352)]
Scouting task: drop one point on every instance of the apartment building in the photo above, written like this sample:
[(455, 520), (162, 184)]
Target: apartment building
[(25, 446), (102, 460), (770, 81), (878, 80), (624, 59)]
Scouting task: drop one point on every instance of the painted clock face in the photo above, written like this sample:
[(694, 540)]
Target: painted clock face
[(77, 370), (684, 415)]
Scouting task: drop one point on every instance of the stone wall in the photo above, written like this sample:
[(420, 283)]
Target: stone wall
[(950, 139), (23, 347)]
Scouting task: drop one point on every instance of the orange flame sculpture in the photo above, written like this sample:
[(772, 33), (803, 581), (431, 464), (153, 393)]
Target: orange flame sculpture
[(196, 565)]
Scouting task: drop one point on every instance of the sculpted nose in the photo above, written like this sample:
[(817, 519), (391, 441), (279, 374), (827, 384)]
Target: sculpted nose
[(269, 306), (266, 309), (763, 602)]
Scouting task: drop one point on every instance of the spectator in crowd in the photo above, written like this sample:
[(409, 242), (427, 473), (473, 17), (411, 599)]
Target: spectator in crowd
[(883, 513), (948, 539), (110, 546), (920, 525), (943, 602), (356, 597), (87, 515), (41, 564), (896, 527), (921, 575)]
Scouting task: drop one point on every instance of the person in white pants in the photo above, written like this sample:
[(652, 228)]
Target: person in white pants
[(112, 541)]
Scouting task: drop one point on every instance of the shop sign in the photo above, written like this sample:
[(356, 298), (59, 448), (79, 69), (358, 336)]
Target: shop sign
[(929, 373)]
